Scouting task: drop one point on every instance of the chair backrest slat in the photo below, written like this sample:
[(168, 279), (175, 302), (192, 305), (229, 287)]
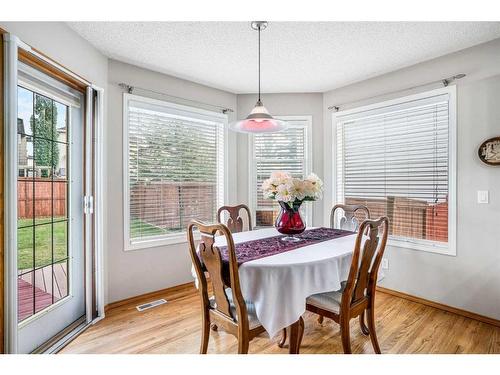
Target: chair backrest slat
[(212, 261), (207, 257), (367, 256), (235, 221), (352, 216)]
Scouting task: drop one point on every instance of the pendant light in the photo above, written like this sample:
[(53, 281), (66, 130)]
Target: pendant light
[(259, 120)]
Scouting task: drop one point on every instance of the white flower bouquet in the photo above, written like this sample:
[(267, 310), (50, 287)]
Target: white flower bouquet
[(282, 187)]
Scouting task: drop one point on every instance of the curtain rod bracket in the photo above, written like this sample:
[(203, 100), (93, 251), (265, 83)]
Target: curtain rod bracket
[(334, 108), (227, 110), (126, 87)]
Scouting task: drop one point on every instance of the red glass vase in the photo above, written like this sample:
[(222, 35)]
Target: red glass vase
[(289, 221)]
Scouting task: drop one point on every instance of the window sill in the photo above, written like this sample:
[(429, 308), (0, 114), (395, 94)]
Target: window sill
[(173, 239), (423, 245)]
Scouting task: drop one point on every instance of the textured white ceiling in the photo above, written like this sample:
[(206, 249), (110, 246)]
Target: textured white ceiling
[(296, 56)]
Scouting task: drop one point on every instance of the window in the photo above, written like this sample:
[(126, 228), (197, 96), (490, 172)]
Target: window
[(174, 169), (398, 159), (289, 151)]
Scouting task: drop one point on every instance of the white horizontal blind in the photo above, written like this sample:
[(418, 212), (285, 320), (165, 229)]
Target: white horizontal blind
[(175, 167), (283, 151), (395, 160)]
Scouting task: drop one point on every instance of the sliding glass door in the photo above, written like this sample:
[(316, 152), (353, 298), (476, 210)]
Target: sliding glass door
[(51, 265), (50, 217)]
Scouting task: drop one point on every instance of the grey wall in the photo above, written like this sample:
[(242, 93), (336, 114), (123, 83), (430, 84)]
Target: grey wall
[(471, 279), (62, 44), (283, 105), (131, 273)]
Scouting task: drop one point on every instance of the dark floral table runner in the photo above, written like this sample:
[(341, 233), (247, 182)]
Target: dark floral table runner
[(264, 247)]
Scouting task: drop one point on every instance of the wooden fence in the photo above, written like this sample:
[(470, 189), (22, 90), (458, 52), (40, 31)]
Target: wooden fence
[(171, 205), (408, 217), (50, 197)]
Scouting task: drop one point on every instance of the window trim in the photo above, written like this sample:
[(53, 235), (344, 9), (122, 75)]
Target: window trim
[(450, 247), (173, 238), (252, 177)]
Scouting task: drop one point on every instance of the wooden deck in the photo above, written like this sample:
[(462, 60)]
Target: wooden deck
[(35, 292)]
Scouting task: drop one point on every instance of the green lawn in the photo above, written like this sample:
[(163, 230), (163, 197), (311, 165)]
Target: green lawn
[(140, 229), (43, 242)]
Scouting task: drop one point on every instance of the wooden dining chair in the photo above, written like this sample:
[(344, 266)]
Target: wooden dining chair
[(353, 214), (349, 221), (226, 308), (235, 221), (357, 294)]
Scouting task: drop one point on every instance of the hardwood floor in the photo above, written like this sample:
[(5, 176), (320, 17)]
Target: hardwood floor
[(403, 327)]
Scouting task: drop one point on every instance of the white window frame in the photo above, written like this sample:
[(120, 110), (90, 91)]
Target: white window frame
[(252, 176), (437, 247), (173, 238)]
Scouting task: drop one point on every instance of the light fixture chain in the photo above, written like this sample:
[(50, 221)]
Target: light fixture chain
[(259, 63)]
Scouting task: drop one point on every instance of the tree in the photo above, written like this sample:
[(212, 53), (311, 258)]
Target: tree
[(44, 128)]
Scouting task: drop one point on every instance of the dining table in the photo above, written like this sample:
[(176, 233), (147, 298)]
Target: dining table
[(277, 276)]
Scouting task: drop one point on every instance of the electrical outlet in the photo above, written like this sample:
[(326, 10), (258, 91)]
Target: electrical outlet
[(385, 263), (483, 196)]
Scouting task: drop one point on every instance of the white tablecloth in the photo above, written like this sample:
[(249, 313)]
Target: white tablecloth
[(278, 285)]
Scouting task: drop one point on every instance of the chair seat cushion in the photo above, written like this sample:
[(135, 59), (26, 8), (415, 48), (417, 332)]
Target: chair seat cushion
[(253, 321), (329, 301)]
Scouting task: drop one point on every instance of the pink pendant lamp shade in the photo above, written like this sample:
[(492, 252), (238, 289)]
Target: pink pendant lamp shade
[(259, 120)]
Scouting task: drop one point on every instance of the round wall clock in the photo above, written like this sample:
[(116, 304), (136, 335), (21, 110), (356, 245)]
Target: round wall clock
[(489, 151)]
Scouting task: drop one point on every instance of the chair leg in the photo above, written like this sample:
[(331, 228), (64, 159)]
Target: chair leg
[(301, 330), (214, 327), (320, 319), (282, 342), (301, 334), (205, 334), (346, 335), (371, 327), (243, 343), (294, 341), (362, 324)]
